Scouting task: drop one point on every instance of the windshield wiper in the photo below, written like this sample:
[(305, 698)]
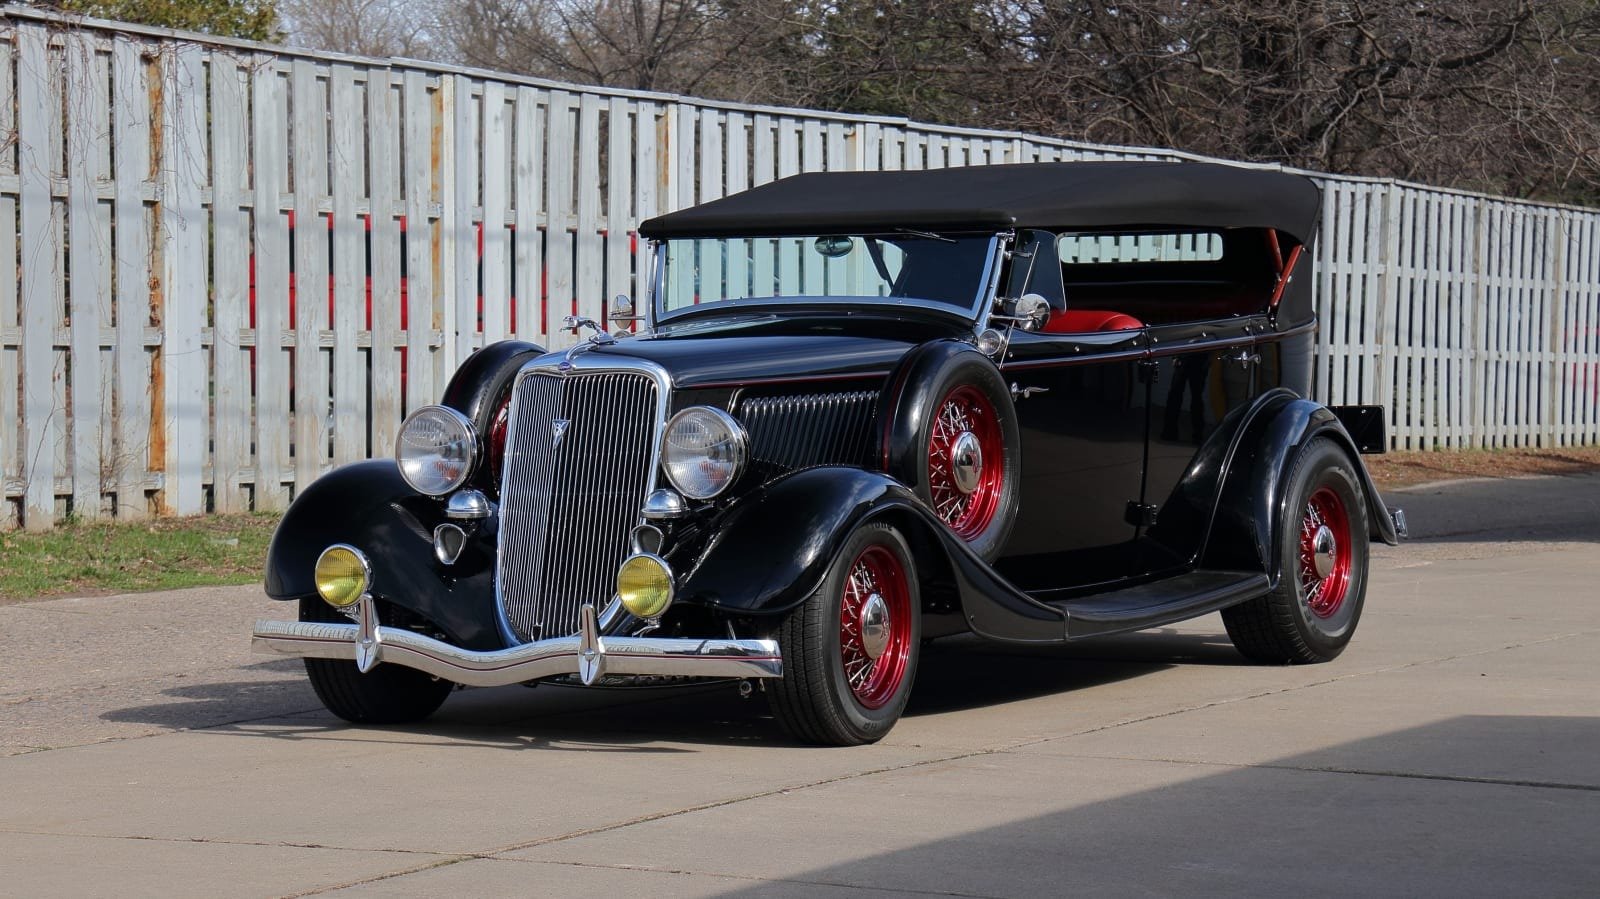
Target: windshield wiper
[(927, 234)]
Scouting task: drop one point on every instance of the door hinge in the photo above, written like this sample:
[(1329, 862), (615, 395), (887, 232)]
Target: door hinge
[(1148, 372), (1140, 515)]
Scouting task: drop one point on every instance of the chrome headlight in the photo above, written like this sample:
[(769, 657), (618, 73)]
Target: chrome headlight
[(703, 451), (436, 449)]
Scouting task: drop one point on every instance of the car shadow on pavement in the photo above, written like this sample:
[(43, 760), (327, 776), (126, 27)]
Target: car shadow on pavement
[(1469, 805), (956, 673)]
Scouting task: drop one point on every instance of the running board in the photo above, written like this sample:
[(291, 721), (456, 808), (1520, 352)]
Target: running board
[(1160, 602)]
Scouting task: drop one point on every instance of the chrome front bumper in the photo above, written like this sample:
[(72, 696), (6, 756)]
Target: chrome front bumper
[(585, 653)]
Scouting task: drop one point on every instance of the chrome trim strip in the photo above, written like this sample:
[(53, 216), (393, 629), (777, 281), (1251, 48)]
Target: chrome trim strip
[(628, 656)]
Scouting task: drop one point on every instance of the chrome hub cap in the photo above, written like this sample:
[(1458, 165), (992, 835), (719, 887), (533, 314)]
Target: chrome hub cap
[(1323, 549), (966, 461), (874, 626)]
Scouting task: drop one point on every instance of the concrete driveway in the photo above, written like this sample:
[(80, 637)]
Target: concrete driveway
[(1454, 749)]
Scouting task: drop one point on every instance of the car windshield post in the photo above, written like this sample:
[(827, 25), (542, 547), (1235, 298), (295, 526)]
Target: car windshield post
[(950, 272)]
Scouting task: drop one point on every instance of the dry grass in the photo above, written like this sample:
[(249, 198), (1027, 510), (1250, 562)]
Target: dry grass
[(1404, 469)]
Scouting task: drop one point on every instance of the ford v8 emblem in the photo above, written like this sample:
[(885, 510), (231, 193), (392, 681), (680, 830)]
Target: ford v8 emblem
[(559, 426)]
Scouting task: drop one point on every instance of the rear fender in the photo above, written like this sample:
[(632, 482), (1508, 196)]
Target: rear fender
[(369, 506), (1252, 508)]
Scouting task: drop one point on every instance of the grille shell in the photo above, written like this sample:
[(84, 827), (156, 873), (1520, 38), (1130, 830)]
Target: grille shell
[(569, 505)]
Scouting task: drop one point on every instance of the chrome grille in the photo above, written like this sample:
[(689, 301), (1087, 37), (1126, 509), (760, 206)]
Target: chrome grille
[(569, 504), (793, 432)]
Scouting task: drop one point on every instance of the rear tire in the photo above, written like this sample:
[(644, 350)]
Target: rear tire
[(388, 694), (1313, 613), (850, 650)]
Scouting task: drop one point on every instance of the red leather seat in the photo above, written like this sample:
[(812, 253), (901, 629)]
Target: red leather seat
[(1081, 321)]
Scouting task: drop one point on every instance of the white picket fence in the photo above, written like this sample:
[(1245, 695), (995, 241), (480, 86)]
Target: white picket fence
[(236, 265)]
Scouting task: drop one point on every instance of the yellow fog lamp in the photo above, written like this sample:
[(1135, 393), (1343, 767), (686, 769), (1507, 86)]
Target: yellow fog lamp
[(644, 584), (342, 575)]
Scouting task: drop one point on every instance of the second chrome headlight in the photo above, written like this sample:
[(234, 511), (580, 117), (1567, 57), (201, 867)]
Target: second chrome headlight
[(436, 449), (703, 451)]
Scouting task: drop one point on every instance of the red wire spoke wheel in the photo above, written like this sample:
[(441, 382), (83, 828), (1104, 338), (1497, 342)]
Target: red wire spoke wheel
[(966, 471), (1321, 560), (1325, 553), (850, 649), (875, 626)]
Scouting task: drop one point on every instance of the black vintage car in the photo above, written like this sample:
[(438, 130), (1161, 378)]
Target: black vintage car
[(1038, 403)]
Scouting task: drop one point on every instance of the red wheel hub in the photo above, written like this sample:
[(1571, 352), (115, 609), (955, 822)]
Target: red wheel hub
[(966, 461), (875, 626), (1325, 553)]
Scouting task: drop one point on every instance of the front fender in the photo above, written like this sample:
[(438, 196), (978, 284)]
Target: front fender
[(772, 549), (370, 506)]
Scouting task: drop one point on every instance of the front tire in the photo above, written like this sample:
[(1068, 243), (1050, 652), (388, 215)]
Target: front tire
[(1323, 555), (850, 650), (388, 694)]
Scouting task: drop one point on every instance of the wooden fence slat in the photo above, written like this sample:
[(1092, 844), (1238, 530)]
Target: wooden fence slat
[(309, 156), (496, 239), (528, 248), (383, 174), (558, 209), (10, 371), (619, 202), (39, 259), (460, 197), (348, 125), (419, 148), (589, 246), (88, 252), (269, 299), (231, 274), (184, 289)]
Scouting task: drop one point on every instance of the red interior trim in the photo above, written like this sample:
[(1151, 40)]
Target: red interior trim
[(1283, 279)]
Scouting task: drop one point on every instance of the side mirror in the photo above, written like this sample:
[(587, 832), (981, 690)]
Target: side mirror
[(1030, 312), (622, 309)]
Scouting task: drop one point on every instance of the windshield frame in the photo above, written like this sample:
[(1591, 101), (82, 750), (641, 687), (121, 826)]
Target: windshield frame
[(975, 311)]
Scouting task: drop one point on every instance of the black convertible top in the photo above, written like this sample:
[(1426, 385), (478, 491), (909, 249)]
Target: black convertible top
[(1058, 195)]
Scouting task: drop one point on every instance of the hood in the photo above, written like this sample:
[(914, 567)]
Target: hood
[(698, 362)]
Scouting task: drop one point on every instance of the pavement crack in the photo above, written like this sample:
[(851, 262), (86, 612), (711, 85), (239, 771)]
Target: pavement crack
[(749, 878)]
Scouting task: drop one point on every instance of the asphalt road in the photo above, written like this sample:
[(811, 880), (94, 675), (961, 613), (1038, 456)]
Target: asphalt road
[(1454, 749)]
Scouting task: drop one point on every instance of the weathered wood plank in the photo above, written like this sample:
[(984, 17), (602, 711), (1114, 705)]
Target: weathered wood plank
[(183, 250), (383, 175), (496, 240), (560, 156), (231, 278), (589, 244), (619, 203), (348, 123), (309, 301), (459, 198), (89, 247), (39, 260), (269, 299), (421, 149), (528, 248)]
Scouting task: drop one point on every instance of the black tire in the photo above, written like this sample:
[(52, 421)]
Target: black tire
[(388, 694), (1311, 617), (815, 700), (983, 517)]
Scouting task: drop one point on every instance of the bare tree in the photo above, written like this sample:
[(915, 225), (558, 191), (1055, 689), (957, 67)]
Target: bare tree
[(363, 27)]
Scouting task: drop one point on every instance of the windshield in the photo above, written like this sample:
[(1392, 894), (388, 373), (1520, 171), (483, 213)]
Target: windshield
[(950, 271)]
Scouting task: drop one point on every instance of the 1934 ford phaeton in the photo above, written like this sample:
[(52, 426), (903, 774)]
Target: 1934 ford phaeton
[(1038, 403)]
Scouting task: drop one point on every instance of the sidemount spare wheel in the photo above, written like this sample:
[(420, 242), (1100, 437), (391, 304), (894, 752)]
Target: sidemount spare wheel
[(951, 436), (388, 694), (1322, 557), (850, 650)]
